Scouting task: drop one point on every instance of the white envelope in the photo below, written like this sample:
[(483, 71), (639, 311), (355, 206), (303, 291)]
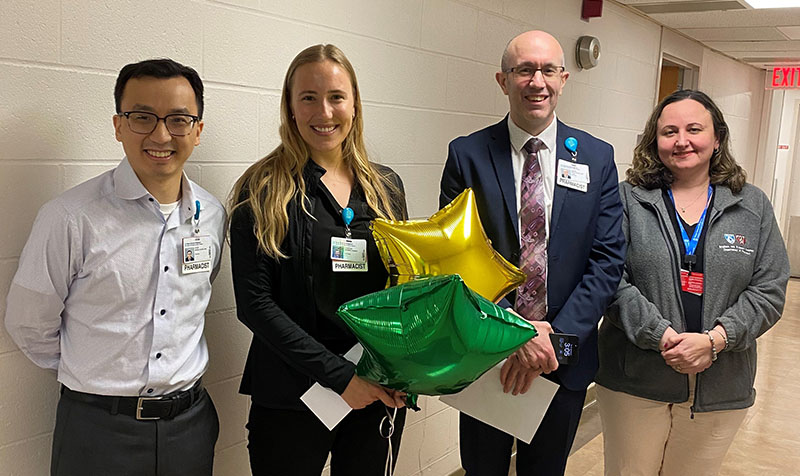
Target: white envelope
[(518, 415), (326, 404)]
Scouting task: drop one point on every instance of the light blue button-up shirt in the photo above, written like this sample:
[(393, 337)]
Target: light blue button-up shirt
[(99, 294)]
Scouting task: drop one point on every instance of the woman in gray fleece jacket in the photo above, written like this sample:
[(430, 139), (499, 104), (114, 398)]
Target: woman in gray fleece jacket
[(705, 275)]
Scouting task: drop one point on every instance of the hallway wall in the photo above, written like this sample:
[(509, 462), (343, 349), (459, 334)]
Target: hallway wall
[(426, 69)]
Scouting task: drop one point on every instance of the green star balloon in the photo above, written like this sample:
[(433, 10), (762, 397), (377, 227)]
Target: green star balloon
[(431, 336)]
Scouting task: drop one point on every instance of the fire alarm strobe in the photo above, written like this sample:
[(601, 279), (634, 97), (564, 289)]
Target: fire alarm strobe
[(587, 52)]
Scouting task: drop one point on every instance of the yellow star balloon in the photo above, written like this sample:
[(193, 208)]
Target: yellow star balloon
[(451, 241)]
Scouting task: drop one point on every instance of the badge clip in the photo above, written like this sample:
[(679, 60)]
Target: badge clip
[(571, 144), (347, 216)]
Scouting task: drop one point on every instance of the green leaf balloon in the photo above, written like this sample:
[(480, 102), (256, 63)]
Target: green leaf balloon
[(431, 336)]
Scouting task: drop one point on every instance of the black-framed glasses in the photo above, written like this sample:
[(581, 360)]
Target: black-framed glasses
[(527, 72), (142, 122)]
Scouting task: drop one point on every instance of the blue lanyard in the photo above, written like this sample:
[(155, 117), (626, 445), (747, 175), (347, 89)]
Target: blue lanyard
[(691, 245)]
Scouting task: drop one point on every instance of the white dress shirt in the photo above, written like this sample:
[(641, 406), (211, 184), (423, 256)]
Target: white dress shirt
[(547, 162), (99, 294)]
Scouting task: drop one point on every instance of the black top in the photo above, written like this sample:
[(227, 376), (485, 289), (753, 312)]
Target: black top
[(332, 289), (692, 303), (276, 298)]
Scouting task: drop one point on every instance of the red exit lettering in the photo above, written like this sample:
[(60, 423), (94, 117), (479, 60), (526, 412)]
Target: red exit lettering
[(787, 77)]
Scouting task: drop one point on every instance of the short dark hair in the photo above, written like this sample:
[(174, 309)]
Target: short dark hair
[(162, 68)]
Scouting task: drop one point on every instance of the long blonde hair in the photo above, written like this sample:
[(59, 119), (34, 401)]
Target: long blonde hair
[(268, 186)]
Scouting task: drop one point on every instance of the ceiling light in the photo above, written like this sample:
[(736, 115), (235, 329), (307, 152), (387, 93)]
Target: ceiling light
[(773, 3)]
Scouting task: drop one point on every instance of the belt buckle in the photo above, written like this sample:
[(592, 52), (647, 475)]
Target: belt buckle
[(140, 407)]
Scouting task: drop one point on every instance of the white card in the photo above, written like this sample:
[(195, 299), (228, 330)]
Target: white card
[(197, 254), (517, 415), (326, 404), (572, 175)]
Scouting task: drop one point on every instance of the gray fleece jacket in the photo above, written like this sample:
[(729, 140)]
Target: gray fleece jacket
[(746, 271)]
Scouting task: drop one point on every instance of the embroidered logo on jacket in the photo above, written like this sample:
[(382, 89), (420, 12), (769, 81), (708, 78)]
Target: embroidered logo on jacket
[(736, 243), (729, 238)]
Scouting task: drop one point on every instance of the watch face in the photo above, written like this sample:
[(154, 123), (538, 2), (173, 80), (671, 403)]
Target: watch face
[(565, 347)]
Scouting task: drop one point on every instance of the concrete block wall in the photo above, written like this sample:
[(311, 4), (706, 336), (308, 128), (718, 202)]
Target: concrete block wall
[(426, 69)]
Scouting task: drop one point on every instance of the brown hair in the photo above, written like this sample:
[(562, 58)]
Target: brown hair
[(269, 185), (649, 172)]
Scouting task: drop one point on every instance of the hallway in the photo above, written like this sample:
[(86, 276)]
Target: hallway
[(769, 440)]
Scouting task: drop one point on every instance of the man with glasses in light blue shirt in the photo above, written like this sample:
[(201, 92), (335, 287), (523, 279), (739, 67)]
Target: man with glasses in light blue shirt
[(106, 295)]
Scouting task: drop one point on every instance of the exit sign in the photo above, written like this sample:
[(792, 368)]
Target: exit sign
[(784, 77)]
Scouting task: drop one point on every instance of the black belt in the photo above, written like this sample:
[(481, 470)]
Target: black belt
[(142, 408)]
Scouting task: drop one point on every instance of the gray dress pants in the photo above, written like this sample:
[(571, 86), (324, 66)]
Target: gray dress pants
[(90, 441)]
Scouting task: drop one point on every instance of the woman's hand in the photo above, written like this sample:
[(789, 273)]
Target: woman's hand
[(360, 393), (688, 353), (669, 333)]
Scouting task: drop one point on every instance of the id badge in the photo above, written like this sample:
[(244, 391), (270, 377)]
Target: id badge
[(197, 254), (692, 283), (348, 254), (572, 175)]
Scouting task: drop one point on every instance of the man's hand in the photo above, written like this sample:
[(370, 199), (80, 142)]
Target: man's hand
[(515, 377), (360, 393), (688, 353), (538, 354)]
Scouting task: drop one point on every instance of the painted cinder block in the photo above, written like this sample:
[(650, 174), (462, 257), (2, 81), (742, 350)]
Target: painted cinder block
[(30, 395), (23, 189), (230, 127), (30, 457), (449, 27), (254, 49), (232, 409), (8, 267), (30, 30), (228, 342), (471, 86), (99, 34), (51, 114), (232, 461), (494, 32)]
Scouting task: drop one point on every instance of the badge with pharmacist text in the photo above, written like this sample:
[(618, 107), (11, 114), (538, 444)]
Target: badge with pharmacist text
[(348, 254), (197, 254), (572, 174)]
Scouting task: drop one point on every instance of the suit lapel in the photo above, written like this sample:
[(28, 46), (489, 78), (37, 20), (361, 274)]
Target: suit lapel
[(559, 193), (500, 153)]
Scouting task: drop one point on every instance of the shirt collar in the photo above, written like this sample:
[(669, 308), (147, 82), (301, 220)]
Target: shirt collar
[(127, 186), (520, 137)]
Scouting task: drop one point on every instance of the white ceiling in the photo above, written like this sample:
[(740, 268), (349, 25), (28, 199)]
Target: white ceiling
[(762, 38)]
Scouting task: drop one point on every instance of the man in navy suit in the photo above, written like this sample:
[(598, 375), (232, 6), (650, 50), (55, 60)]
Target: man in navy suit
[(585, 247)]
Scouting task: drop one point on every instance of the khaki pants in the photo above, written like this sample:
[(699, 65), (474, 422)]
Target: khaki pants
[(644, 437)]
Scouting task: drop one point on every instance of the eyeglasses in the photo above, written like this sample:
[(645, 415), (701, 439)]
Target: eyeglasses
[(527, 73), (142, 122)]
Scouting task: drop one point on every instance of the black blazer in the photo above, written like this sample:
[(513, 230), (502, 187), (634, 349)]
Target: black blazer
[(586, 248), (275, 300)]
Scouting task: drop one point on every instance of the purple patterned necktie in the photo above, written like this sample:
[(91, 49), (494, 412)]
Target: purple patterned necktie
[(531, 296)]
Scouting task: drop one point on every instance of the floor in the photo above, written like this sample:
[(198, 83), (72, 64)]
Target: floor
[(769, 440)]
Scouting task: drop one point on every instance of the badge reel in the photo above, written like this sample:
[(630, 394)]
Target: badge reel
[(348, 254), (197, 249), (572, 174)]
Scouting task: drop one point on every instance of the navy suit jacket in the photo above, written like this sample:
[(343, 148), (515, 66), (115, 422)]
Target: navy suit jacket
[(586, 248)]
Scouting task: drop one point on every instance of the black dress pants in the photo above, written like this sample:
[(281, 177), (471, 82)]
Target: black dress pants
[(295, 443), (486, 451), (90, 441)]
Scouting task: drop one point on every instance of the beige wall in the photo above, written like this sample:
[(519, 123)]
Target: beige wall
[(426, 69)]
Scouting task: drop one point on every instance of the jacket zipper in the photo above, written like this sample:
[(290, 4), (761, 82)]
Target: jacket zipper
[(665, 234)]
